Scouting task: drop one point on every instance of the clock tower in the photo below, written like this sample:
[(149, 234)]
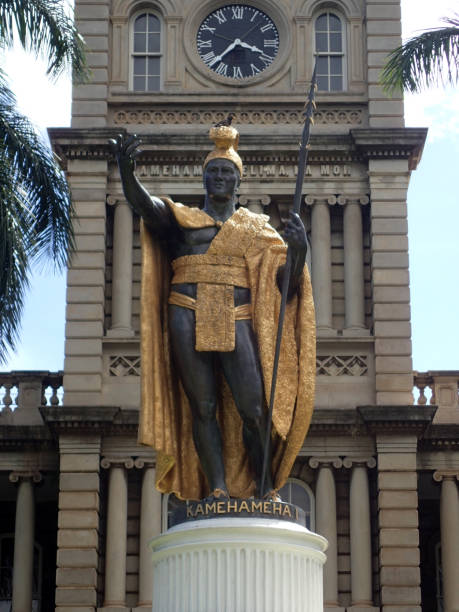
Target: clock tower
[(168, 70)]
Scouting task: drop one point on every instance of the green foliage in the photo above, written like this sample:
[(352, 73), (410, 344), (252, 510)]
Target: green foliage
[(35, 204), (44, 28), (425, 60)]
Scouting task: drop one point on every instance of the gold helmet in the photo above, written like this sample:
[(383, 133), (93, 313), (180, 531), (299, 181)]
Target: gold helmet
[(226, 139)]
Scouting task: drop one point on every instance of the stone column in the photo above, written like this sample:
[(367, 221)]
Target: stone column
[(449, 527), (399, 556), (116, 535), (354, 288), (326, 523), (24, 534), (321, 263), (360, 532), (255, 203), (150, 526), (122, 271)]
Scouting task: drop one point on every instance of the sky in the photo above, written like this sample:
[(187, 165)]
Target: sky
[(433, 214)]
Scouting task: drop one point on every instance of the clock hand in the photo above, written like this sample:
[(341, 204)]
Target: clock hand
[(251, 47), (248, 32), (221, 36), (223, 53)]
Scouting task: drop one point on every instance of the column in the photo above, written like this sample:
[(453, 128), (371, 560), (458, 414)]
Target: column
[(24, 533), (150, 526), (360, 532), (116, 534), (321, 263), (399, 556), (78, 522), (449, 527), (326, 524), (122, 271), (354, 288), (255, 203)]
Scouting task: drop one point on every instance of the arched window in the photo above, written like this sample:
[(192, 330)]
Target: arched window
[(299, 494), (330, 53), (146, 52)]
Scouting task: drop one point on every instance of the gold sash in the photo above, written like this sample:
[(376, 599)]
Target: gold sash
[(215, 276)]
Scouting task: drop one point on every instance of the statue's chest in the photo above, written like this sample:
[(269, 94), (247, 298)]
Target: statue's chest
[(195, 241)]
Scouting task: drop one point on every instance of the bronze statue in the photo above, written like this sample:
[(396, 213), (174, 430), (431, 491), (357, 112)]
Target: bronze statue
[(209, 304)]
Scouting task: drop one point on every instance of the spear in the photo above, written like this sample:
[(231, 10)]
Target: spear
[(308, 113)]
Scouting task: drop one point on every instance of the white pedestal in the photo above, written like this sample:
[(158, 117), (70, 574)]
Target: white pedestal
[(238, 565)]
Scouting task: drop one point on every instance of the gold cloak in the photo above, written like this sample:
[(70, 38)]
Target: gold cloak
[(165, 418)]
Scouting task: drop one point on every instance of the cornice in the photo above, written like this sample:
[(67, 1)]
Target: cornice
[(33, 437), (441, 438), (90, 419), (397, 419), (169, 143), (382, 143)]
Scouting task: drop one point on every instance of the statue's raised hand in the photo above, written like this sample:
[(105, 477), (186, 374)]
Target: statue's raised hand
[(126, 149)]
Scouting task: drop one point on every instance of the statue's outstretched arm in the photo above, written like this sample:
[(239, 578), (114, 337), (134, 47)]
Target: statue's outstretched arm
[(153, 210), (295, 236)]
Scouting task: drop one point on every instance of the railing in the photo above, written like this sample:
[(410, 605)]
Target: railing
[(22, 392), (439, 387)]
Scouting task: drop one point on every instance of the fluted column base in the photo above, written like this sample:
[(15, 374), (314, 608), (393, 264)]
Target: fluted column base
[(235, 565)]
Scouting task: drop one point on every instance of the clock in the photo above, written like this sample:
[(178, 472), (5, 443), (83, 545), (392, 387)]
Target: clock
[(237, 41)]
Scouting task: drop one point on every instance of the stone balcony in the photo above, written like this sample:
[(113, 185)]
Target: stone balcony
[(23, 392)]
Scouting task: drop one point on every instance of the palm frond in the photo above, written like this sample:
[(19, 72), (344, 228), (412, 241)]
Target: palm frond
[(44, 28), (14, 260), (424, 60), (44, 191)]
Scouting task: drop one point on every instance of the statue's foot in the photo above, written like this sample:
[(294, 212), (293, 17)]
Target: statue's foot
[(272, 495), (220, 494)]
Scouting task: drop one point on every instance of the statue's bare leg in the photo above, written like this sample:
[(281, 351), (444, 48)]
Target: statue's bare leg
[(243, 373), (196, 371)]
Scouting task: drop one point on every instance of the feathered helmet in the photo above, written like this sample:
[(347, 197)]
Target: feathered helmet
[(226, 139)]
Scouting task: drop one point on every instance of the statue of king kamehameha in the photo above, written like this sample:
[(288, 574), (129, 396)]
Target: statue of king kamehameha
[(209, 309)]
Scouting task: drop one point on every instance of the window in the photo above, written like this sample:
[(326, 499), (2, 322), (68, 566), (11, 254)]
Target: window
[(146, 53), (329, 49), (299, 494)]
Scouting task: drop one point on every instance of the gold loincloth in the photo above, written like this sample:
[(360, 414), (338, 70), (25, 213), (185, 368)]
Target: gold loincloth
[(215, 276)]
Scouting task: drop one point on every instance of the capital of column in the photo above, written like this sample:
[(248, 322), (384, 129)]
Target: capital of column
[(310, 200), (440, 475), (316, 462), (255, 203), (32, 475), (142, 462), (108, 462), (349, 462)]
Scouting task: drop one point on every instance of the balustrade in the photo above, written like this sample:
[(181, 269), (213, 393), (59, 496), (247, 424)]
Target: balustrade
[(22, 392), (440, 388)]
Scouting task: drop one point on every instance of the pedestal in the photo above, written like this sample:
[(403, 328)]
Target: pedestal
[(238, 565)]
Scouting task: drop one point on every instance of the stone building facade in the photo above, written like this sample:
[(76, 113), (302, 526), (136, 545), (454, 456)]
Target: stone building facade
[(378, 471)]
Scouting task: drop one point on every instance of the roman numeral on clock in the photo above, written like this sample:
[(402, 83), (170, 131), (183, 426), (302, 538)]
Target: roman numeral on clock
[(207, 28), (222, 69), (266, 59), (238, 12), (220, 16), (208, 57), (271, 43), (237, 73), (203, 44), (255, 70), (268, 26)]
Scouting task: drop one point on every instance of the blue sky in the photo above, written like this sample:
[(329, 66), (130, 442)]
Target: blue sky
[(433, 205)]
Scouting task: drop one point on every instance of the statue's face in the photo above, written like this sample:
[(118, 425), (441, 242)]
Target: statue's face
[(221, 179)]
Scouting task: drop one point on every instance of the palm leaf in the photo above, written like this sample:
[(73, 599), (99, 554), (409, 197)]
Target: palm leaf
[(44, 28), (427, 59), (45, 193), (35, 212)]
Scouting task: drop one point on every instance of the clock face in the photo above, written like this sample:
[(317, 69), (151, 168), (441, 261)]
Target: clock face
[(238, 41)]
